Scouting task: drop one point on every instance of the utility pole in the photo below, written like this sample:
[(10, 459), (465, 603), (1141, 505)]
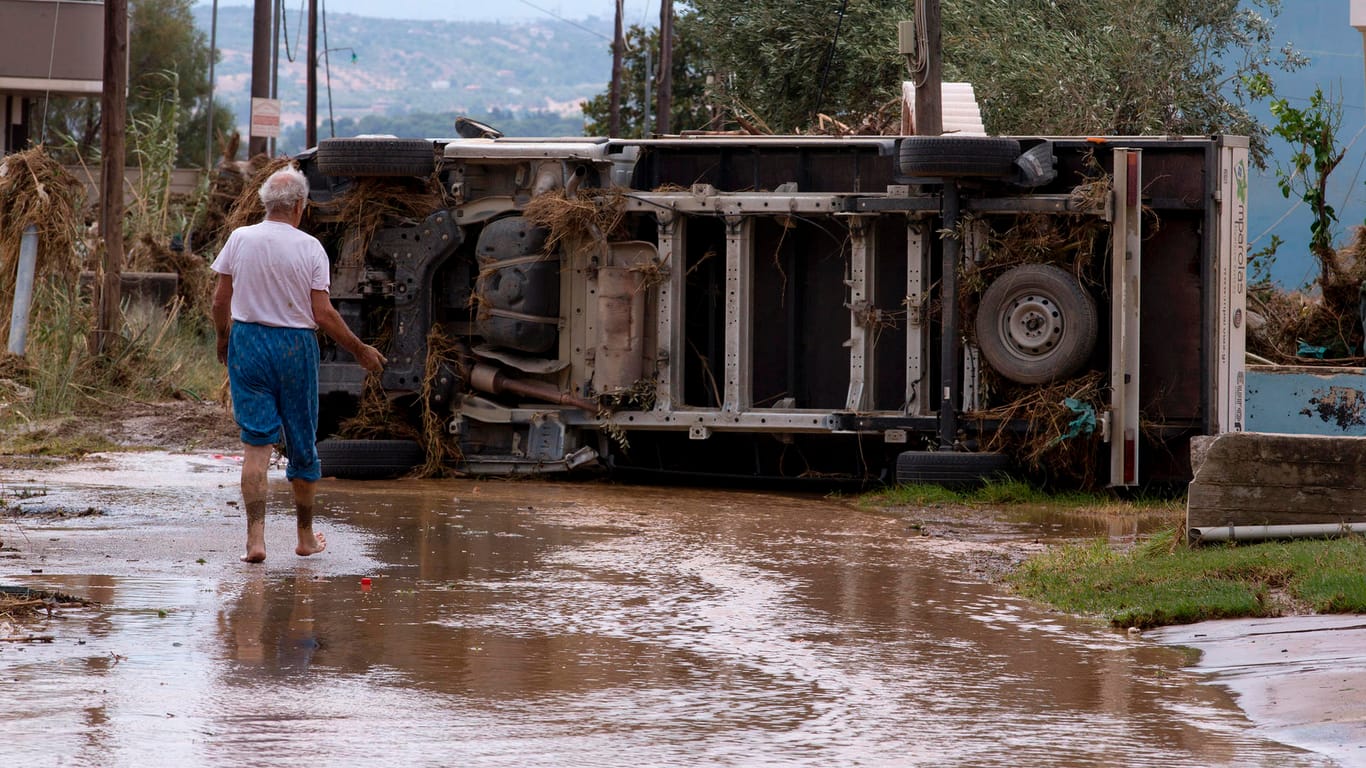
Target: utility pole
[(209, 113), (260, 64), (666, 66), (614, 95), (311, 103), (275, 14), (113, 114), (929, 111)]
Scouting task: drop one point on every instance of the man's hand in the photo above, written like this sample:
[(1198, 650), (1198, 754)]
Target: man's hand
[(370, 359), (222, 315)]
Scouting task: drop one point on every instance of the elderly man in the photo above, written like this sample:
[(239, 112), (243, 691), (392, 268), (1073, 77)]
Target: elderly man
[(270, 299)]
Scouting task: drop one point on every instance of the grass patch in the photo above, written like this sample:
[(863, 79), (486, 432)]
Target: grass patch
[(1013, 493), (55, 443), (1165, 581)]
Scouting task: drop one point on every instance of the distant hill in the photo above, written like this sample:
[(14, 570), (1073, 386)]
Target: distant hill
[(402, 67)]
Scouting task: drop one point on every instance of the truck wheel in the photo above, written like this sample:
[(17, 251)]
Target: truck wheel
[(376, 157), (1036, 324), (951, 469), (368, 459), (958, 156)]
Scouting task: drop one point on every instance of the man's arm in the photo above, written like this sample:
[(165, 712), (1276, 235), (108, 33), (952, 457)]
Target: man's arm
[(222, 314), (327, 318)]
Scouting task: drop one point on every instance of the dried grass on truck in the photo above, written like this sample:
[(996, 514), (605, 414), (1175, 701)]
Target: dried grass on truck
[(581, 222), (1047, 444)]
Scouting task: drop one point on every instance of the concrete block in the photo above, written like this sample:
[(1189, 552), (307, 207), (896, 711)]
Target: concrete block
[(1251, 478)]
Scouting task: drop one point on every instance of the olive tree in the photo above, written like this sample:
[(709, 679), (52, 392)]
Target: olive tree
[(1038, 66), (168, 59), (691, 104), (1072, 67), (779, 63)]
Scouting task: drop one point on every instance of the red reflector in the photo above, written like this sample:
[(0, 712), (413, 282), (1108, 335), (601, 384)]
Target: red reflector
[(1133, 178)]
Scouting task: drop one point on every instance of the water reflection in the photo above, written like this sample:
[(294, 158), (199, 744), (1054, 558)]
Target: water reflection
[(529, 624)]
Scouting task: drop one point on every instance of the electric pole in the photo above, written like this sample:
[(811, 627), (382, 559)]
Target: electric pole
[(311, 102), (113, 115), (260, 64), (614, 95), (929, 111), (666, 67)]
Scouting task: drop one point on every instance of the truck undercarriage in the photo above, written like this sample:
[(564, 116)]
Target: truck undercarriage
[(773, 307)]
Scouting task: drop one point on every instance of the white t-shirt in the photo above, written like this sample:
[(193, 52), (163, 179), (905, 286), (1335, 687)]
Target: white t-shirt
[(274, 269)]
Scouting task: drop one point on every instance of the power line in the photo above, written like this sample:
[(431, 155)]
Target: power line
[(558, 17)]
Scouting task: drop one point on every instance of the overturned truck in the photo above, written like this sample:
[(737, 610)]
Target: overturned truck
[(930, 309)]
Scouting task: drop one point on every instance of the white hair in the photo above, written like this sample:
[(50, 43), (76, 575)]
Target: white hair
[(284, 189)]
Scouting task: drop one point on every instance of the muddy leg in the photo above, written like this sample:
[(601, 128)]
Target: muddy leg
[(310, 543), (255, 460)]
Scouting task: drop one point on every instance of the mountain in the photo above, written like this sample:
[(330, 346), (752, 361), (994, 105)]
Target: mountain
[(395, 67)]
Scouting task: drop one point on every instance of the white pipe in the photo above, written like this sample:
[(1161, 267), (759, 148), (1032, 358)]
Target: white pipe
[(1263, 532), (23, 291)]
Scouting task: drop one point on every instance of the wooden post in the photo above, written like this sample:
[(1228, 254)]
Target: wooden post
[(260, 64), (311, 102), (113, 113), (614, 95), (666, 67), (929, 113)]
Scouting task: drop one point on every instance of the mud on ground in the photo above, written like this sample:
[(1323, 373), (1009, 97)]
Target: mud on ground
[(174, 425)]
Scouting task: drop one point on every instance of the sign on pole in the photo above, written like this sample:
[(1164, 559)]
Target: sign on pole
[(265, 118)]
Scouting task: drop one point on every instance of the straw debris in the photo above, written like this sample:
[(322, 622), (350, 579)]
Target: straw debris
[(1301, 328), (372, 203), (1045, 445), (18, 603), (35, 189), (581, 223), (444, 355)]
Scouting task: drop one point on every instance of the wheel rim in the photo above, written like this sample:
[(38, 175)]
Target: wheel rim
[(1033, 325)]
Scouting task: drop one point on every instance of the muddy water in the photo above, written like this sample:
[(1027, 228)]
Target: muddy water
[(534, 624)]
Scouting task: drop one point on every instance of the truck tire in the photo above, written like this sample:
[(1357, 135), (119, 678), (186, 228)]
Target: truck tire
[(956, 470), (376, 157), (958, 156), (368, 459), (1036, 324)]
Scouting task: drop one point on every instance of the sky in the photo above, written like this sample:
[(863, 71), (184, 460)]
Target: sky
[(636, 11)]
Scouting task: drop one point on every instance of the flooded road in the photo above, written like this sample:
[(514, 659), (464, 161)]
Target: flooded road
[(536, 624)]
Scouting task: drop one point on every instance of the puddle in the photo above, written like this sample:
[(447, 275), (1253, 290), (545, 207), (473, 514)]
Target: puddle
[(536, 624)]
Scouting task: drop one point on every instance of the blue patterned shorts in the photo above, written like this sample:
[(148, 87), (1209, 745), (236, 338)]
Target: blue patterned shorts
[(273, 374)]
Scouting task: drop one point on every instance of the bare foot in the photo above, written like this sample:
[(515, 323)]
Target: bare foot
[(254, 555), (305, 549)]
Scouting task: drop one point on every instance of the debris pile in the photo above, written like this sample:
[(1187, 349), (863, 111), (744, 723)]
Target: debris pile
[(35, 189), (1322, 327), (18, 604)]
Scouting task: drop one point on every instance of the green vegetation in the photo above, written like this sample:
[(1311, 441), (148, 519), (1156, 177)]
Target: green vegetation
[(1014, 493), (1038, 66), (168, 60), (1163, 581), (52, 395), (691, 108)]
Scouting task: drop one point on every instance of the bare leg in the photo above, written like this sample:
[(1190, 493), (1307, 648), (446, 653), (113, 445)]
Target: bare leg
[(255, 460), (310, 543)]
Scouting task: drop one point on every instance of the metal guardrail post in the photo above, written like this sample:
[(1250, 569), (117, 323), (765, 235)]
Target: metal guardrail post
[(23, 291)]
